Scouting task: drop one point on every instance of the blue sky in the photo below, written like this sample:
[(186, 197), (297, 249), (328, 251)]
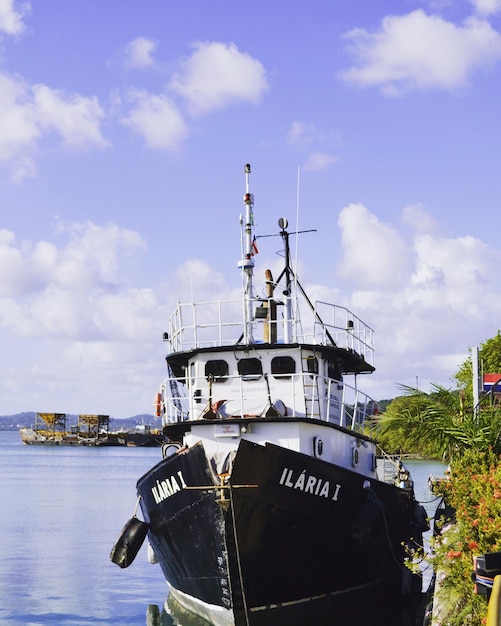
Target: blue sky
[(124, 129)]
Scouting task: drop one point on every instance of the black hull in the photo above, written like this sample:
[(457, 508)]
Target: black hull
[(294, 541)]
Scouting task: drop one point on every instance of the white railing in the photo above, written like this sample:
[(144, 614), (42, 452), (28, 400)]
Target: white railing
[(222, 326), (253, 398), (347, 330)]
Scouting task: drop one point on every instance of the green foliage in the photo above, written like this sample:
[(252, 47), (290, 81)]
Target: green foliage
[(490, 354), (439, 424), (395, 430), (490, 358), (444, 423), (474, 490)]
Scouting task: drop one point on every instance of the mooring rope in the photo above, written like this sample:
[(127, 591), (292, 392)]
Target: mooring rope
[(239, 565), (387, 531), (136, 507)]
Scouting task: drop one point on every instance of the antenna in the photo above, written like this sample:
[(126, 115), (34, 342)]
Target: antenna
[(247, 263), (297, 211), (296, 303)]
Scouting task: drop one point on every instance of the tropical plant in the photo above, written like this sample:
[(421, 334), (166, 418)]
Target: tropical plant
[(441, 423), (469, 438), (474, 491), (490, 359), (394, 427)]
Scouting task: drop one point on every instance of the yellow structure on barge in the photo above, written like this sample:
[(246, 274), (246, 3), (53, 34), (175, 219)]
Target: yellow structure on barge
[(91, 430)]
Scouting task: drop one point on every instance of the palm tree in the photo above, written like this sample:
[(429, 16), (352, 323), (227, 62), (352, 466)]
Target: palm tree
[(441, 423)]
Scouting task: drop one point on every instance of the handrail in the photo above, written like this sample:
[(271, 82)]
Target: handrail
[(394, 475), (223, 326), (299, 393)]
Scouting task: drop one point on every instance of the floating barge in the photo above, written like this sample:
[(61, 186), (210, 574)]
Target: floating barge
[(91, 430)]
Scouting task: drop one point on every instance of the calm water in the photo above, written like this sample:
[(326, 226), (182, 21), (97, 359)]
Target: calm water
[(62, 509)]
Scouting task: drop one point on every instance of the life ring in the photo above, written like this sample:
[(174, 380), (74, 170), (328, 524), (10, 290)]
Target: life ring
[(158, 405)]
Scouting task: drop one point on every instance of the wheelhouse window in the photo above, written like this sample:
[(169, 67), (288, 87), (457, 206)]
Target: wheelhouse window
[(250, 369), (312, 365), (216, 369), (283, 366), (333, 371)]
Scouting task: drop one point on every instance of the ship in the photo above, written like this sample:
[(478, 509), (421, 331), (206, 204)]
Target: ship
[(143, 436), (272, 504)]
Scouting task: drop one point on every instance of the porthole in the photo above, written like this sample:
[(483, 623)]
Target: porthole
[(318, 447), (354, 457)]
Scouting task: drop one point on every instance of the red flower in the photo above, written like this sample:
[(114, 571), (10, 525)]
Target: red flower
[(454, 554)]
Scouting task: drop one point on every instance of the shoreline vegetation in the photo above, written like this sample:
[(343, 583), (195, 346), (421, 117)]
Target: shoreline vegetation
[(447, 424)]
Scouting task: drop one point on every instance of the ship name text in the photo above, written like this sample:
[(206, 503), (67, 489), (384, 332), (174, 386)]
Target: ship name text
[(308, 483), (168, 487)]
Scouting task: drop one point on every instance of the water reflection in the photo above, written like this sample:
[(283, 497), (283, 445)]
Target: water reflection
[(177, 616), (157, 617)]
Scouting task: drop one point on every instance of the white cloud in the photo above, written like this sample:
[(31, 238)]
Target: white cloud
[(486, 7), (157, 119), (75, 118), (94, 254), (23, 167), (318, 161), (139, 53), (415, 216), (71, 324), (216, 75), (303, 133), (11, 16), (304, 136), (428, 296), (374, 256), (90, 259), (420, 51), (29, 114), (91, 334), (450, 268), (18, 124)]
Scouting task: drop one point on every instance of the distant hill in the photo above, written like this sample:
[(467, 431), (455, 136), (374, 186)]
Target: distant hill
[(21, 420)]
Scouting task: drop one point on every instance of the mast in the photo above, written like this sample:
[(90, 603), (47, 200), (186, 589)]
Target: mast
[(247, 262), (288, 321)]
